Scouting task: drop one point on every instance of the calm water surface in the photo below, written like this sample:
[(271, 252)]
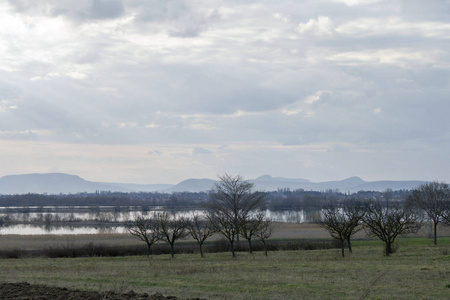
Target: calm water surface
[(103, 217)]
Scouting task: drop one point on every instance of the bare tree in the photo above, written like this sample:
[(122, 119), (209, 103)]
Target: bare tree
[(145, 229), (343, 222), (200, 229), (229, 205), (250, 228), (355, 211), (335, 223), (434, 199), (171, 230), (264, 232), (225, 225), (388, 220)]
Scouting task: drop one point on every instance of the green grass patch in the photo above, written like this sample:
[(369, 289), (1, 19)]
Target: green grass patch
[(405, 241), (417, 270)]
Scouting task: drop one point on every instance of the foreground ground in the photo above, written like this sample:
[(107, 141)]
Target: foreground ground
[(23, 290), (418, 270)]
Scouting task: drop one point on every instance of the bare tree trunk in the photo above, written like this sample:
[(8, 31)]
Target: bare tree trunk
[(149, 249), (388, 248), (349, 244), (342, 248), (265, 248), (250, 246), (232, 248), (172, 250), (435, 233), (201, 250)]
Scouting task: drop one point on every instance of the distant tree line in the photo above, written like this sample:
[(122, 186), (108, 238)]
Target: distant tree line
[(143, 199), (282, 199)]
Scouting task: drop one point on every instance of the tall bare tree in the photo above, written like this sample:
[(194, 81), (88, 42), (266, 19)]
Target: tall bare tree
[(145, 228), (200, 229), (171, 230), (230, 204), (434, 199), (387, 220)]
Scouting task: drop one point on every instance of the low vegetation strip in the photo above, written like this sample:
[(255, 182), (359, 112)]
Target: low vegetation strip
[(102, 250)]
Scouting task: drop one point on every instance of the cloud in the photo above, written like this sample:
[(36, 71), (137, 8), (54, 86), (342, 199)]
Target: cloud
[(364, 27), (339, 148), (200, 151), (357, 2), (401, 57), (280, 83), (180, 18), (304, 106), (80, 10), (322, 26), (154, 152), (5, 105)]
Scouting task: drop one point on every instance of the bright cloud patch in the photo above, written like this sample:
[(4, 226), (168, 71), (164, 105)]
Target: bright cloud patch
[(364, 27), (400, 57), (322, 26), (357, 2)]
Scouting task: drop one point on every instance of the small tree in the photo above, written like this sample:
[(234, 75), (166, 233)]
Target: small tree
[(434, 199), (171, 230), (200, 229), (265, 231), (145, 229), (343, 222), (334, 222), (249, 229), (390, 220), (355, 211)]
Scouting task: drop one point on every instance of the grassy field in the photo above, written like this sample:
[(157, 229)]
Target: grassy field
[(418, 270)]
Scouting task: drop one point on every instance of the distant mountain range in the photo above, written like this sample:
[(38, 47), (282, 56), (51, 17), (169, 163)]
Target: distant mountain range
[(55, 183)]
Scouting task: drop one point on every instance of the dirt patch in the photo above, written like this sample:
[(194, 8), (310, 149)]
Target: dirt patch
[(26, 291)]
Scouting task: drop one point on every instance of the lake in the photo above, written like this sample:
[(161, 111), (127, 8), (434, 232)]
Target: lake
[(69, 220)]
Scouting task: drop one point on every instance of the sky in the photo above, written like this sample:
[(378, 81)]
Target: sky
[(160, 91)]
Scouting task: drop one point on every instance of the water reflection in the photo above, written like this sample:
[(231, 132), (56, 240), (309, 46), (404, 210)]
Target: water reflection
[(26, 229), (100, 221)]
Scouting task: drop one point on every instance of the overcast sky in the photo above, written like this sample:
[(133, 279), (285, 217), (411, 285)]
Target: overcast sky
[(164, 90)]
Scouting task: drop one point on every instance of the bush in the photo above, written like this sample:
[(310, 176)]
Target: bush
[(13, 253), (90, 249), (222, 245)]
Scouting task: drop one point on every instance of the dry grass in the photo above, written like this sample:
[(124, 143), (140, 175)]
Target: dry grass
[(417, 271)]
